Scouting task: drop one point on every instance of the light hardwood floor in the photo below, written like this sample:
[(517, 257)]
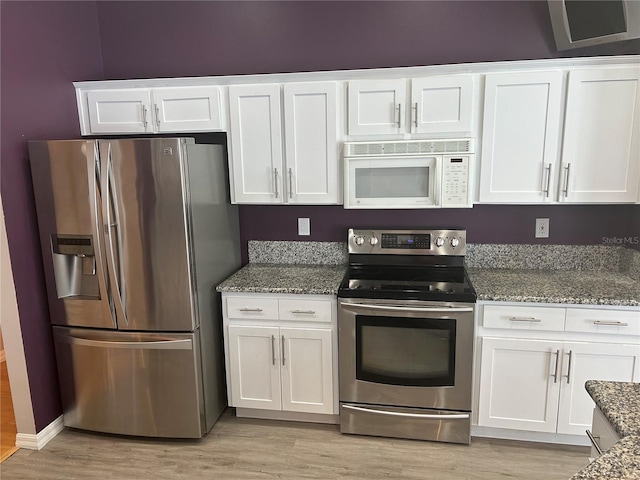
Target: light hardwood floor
[(262, 449), (7, 418)]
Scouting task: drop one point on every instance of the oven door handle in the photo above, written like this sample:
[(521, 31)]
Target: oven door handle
[(392, 308), (429, 416)]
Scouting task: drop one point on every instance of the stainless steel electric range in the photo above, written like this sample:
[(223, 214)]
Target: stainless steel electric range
[(405, 321)]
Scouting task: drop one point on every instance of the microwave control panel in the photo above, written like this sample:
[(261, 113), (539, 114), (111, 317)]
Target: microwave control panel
[(455, 181)]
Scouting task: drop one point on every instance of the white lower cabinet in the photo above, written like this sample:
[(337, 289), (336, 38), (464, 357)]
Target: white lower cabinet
[(280, 353), (532, 378)]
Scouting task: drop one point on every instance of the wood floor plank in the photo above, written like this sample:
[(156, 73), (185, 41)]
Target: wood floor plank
[(8, 428), (246, 449)]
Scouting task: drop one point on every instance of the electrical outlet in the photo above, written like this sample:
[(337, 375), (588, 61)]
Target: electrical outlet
[(542, 228), (304, 226)]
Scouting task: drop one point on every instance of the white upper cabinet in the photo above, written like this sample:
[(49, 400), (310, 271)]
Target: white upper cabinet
[(438, 105), (441, 104), (155, 110), (255, 156), (376, 106), (311, 143), (520, 136), (601, 145), (119, 111), (306, 170)]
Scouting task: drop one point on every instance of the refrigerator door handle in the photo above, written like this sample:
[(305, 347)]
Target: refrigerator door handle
[(96, 194), (107, 207), (182, 344)]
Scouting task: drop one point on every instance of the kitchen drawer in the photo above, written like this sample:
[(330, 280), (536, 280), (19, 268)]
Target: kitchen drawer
[(253, 308), (301, 310), (593, 320), (523, 318)]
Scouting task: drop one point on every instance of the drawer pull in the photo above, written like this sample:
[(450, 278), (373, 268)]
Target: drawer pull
[(305, 312), (250, 309), (594, 442), (613, 324), (525, 319)]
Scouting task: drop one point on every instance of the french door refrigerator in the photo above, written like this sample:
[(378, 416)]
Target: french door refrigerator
[(135, 235)]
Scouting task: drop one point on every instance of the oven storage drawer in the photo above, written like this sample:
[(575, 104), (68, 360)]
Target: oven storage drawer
[(401, 422), (524, 318)]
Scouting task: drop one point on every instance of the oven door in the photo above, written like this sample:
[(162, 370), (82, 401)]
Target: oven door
[(406, 353), (392, 182)]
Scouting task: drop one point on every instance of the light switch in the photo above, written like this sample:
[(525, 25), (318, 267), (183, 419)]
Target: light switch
[(304, 226)]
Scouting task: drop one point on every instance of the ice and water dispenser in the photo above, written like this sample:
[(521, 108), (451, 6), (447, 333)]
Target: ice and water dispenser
[(74, 265)]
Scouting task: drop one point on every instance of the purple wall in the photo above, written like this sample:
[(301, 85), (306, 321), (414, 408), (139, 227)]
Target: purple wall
[(45, 46), (225, 38), (568, 224)]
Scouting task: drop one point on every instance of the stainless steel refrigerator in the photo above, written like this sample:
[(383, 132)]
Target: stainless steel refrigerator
[(135, 235)]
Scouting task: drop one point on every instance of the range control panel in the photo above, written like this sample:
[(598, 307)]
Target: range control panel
[(407, 242)]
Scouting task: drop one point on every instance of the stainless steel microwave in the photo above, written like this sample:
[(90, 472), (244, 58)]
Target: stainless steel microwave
[(408, 174)]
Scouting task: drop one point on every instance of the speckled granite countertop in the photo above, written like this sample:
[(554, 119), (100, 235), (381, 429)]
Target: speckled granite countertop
[(620, 404), (620, 462), (293, 279), (555, 286)]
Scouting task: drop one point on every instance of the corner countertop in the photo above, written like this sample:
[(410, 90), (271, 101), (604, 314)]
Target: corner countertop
[(555, 286), (620, 404), (291, 279)]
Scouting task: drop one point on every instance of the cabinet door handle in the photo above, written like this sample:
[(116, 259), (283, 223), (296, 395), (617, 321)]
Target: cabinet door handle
[(282, 339), (610, 323), (275, 181), (399, 107), (305, 312), (157, 116), (566, 180), (568, 375), (144, 117), (273, 349), (548, 182), (525, 319), (415, 114), (555, 370), (250, 309), (594, 442), (290, 184)]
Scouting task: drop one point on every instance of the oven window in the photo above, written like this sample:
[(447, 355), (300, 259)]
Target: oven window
[(392, 182), (405, 351)]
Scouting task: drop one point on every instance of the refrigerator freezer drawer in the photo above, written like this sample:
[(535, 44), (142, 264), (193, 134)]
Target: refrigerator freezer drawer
[(131, 384)]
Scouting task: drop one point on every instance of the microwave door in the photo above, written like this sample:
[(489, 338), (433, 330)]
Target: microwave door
[(392, 182)]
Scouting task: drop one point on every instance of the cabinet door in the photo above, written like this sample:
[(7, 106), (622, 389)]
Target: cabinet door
[(521, 129), (601, 147), (256, 143), (119, 111), (187, 109), (254, 366), (376, 107), (311, 143), (441, 104), (517, 387), (591, 361), (307, 370)]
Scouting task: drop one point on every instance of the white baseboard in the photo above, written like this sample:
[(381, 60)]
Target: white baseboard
[(40, 439), (521, 435)]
